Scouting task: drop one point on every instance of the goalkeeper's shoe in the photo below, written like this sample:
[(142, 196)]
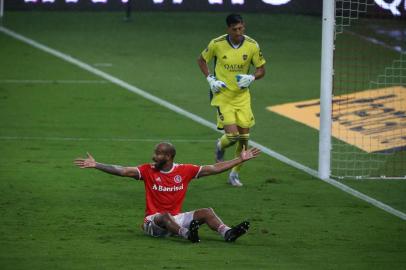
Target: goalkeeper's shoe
[(219, 152), (234, 179), (194, 232), (235, 232)]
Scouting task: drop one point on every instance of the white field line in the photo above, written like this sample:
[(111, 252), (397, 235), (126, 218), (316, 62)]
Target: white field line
[(376, 42), (77, 139), (6, 81), (197, 119), (103, 64)]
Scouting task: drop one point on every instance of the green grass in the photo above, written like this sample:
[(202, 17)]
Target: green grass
[(157, 52), (56, 216)]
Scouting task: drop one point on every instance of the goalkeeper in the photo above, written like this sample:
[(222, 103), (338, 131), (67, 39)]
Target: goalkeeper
[(232, 54)]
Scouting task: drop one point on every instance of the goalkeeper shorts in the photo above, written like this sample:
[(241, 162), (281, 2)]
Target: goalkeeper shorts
[(230, 115)]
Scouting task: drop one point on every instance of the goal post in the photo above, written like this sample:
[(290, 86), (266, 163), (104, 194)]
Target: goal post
[(326, 86), (363, 90), (1, 9)]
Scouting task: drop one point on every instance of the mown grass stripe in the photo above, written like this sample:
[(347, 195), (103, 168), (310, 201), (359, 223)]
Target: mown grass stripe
[(197, 119)]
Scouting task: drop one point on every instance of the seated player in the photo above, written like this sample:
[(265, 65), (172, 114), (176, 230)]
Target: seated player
[(166, 184)]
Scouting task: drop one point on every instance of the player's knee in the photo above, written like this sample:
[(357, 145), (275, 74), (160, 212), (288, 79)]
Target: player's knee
[(204, 213), (233, 137), (209, 212), (165, 218)]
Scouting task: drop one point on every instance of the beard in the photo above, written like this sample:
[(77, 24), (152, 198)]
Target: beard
[(159, 164)]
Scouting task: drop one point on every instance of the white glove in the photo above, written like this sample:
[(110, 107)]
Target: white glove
[(244, 80), (215, 85)]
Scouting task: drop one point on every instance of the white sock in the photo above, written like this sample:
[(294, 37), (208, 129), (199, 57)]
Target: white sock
[(233, 174), (222, 229), (184, 232)]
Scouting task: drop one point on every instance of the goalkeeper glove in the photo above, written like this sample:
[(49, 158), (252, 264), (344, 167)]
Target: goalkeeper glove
[(244, 80), (215, 84)]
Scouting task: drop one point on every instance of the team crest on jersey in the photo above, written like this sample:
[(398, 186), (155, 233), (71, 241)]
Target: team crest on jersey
[(177, 179), (244, 57), (225, 57)]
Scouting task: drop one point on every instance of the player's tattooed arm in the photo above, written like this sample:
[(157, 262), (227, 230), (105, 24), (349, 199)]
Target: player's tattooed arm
[(111, 169), (226, 165), (118, 170), (90, 162)]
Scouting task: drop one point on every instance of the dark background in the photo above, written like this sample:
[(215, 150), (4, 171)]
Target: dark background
[(296, 6), (308, 7)]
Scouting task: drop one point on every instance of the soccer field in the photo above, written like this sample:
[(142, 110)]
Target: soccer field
[(56, 216)]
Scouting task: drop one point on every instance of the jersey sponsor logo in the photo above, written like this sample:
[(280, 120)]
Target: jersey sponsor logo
[(177, 179), (167, 189), (234, 67), (158, 179)]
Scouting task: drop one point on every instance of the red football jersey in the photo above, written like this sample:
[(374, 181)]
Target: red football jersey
[(165, 191)]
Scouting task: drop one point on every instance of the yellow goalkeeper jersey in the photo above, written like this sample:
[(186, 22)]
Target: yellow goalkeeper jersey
[(229, 62)]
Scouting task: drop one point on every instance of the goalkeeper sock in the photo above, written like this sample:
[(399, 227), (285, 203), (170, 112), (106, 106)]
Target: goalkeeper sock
[(184, 232), (222, 229), (228, 139), (242, 142)]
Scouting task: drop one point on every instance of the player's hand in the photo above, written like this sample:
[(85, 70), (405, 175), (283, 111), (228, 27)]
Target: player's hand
[(249, 154), (215, 85), (244, 80), (88, 162)]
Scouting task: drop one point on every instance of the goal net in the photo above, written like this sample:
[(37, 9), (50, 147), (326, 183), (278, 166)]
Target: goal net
[(368, 124)]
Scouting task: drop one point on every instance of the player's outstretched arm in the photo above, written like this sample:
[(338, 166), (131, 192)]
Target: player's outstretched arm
[(226, 165), (90, 162)]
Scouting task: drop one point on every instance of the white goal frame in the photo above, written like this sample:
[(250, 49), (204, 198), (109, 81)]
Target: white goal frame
[(326, 88), (338, 14), (1, 9)]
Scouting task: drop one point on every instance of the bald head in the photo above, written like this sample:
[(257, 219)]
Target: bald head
[(167, 149), (164, 154)]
